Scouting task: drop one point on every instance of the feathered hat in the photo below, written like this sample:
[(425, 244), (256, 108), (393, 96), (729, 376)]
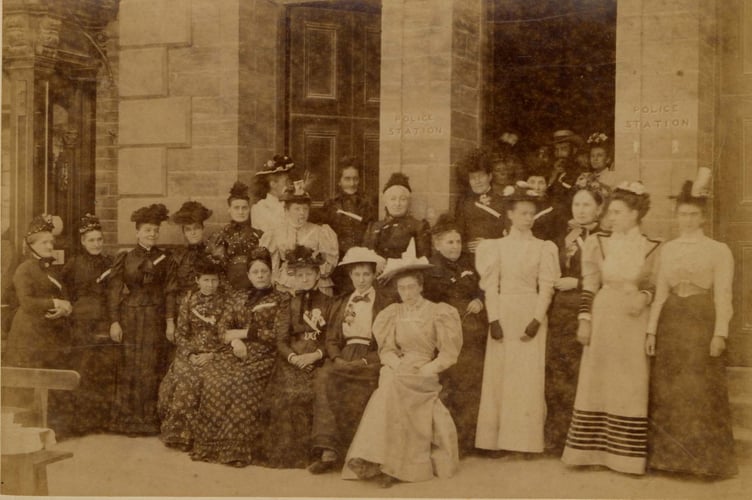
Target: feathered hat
[(153, 214), (302, 256), (397, 179), (45, 223), (409, 261), (589, 182), (444, 224), (297, 193), (206, 264), (89, 223), (277, 165), (192, 212), (238, 191)]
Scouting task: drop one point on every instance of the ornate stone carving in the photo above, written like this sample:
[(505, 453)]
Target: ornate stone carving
[(48, 38), (16, 41)]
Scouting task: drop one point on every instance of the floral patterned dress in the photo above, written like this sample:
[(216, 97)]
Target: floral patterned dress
[(230, 422), (180, 390), (232, 245)]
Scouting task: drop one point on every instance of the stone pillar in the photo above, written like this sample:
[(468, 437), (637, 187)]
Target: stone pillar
[(665, 97), (430, 94)]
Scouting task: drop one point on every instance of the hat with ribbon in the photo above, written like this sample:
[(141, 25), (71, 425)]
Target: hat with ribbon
[(155, 213), (277, 165), (88, 223), (409, 261), (302, 256), (361, 255), (45, 223), (192, 212)]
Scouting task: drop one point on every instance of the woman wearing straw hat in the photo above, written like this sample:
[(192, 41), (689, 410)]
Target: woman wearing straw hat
[(271, 183), (406, 433)]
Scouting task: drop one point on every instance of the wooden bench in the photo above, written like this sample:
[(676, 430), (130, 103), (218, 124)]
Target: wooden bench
[(26, 474)]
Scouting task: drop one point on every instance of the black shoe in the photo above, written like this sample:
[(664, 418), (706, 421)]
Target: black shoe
[(320, 467), (385, 480), (363, 468)]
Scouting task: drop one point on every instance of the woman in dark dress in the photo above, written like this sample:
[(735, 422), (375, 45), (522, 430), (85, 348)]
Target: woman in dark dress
[(389, 237), (454, 280), (347, 379), (191, 218), (39, 336), (563, 352), (229, 427), (690, 422), (301, 351), (94, 355), (140, 302), (198, 343)]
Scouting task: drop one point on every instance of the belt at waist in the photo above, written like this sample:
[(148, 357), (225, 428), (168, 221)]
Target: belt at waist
[(357, 340), (686, 289)]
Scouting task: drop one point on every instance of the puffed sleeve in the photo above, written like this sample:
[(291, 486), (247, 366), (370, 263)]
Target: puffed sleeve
[(23, 281), (384, 330), (329, 248), (592, 259), (423, 239), (661, 291), (448, 328), (269, 242), (723, 277), (488, 265), (116, 287), (548, 273)]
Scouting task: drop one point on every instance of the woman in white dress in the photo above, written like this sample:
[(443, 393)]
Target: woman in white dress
[(270, 185), (517, 274), (406, 433)]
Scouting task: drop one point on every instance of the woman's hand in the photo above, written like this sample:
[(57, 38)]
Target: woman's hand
[(717, 346), (303, 361), (234, 334), (531, 330), (584, 330), (55, 313), (566, 283), (636, 303), (494, 329), (170, 330), (201, 359), (650, 344), (239, 349), (116, 333), (472, 245), (474, 307)]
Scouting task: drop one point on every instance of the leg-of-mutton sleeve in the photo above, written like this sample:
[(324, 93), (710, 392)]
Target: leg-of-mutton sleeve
[(723, 277), (488, 265), (592, 260), (385, 331), (329, 248), (116, 287), (662, 289), (548, 272), (448, 328)]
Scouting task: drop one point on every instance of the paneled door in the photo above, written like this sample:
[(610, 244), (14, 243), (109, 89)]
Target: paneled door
[(733, 194), (333, 76)]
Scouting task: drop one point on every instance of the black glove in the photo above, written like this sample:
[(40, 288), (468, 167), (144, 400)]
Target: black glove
[(531, 330), (495, 330)]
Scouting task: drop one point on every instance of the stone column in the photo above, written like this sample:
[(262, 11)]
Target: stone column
[(430, 94), (665, 97)]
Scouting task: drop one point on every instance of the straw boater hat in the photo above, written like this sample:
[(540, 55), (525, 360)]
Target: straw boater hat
[(407, 262), (361, 255), (192, 212), (89, 223), (567, 136), (277, 165), (153, 214), (302, 256)]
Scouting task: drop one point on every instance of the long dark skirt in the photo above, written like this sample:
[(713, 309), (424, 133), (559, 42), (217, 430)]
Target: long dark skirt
[(462, 382), (290, 398), (341, 395), (230, 420), (142, 364), (690, 421), (179, 395), (563, 354)]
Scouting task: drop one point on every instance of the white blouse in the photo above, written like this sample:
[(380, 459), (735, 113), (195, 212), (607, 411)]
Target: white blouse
[(267, 213)]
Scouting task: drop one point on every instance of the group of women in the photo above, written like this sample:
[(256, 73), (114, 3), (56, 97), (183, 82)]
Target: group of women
[(389, 348)]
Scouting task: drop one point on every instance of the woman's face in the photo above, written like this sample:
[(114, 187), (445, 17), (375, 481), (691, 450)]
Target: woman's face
[(278, 183), (499, 174), (621, 217), (409, 289), (194, 233), (147, 234), (538, 184), (306, 277), (397, 201), (93, 242), (480, 182), (349, 180), (449, 245), (260, 275), (43, 244), (599, 159), (239, 210), (361, 276), (689, 217), (297, 213), (585, 210), (522, 215), (207, 283)]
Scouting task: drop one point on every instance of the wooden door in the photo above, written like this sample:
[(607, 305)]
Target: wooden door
[(733, 192), (333, 76)]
